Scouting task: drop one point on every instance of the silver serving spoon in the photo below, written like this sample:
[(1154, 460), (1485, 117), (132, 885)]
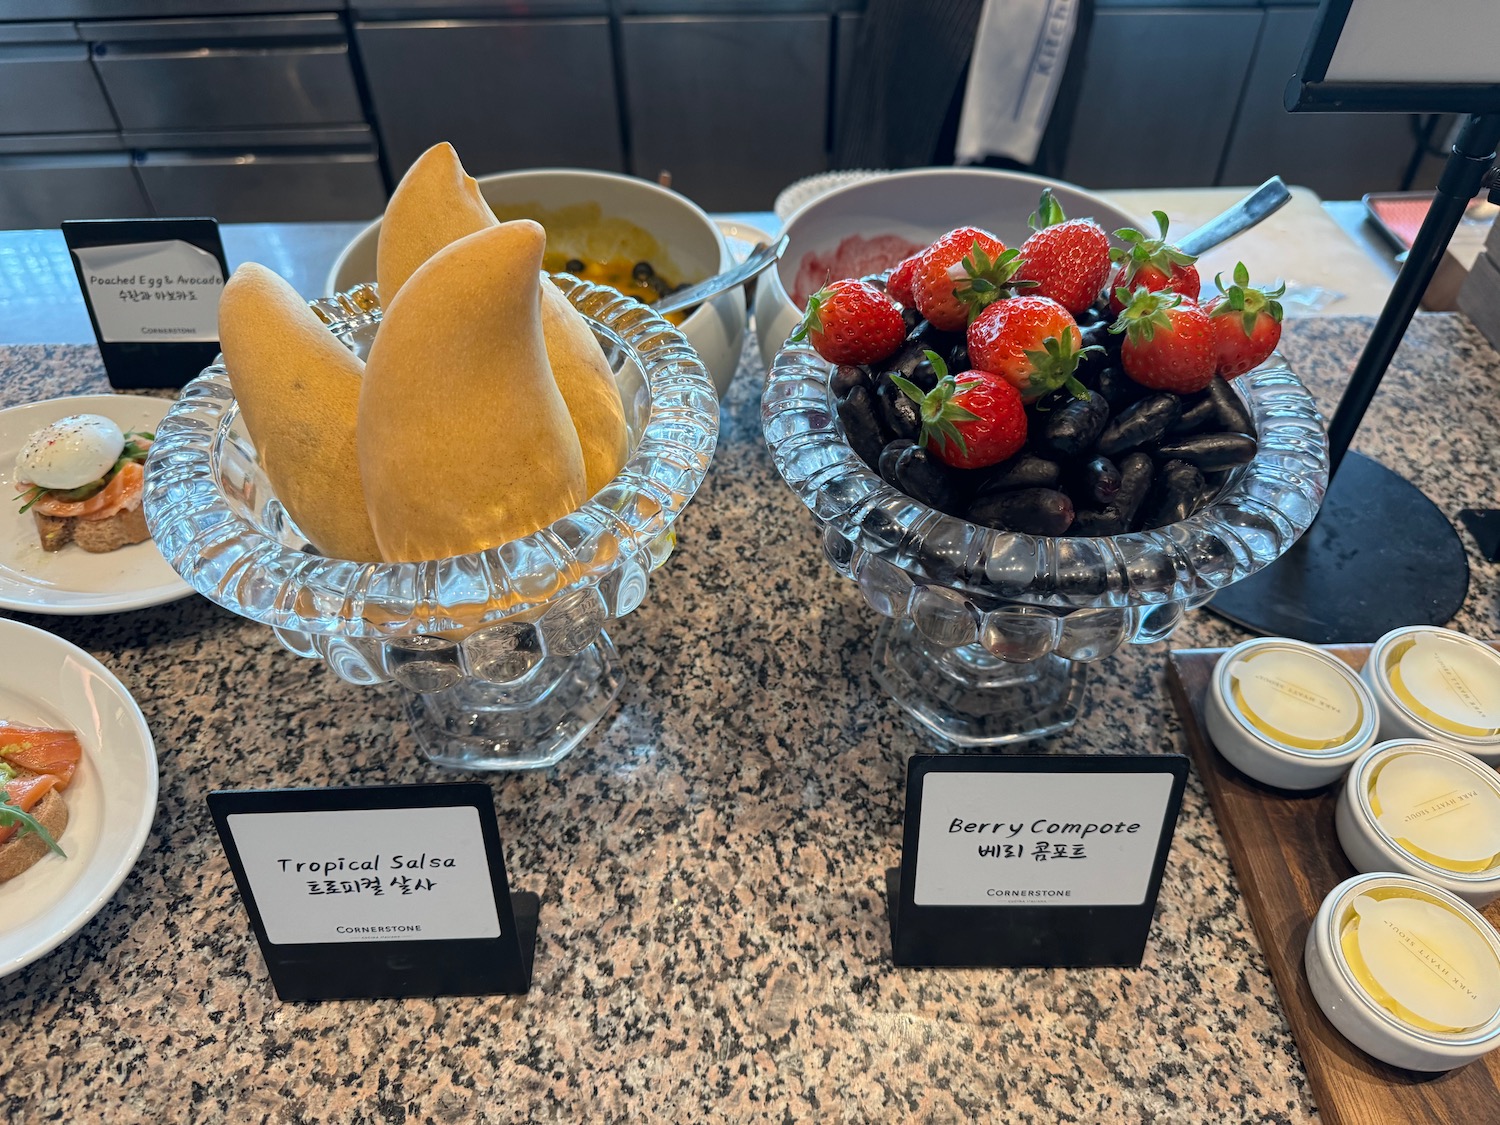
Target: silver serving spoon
[(755, 263), (1260, 204)]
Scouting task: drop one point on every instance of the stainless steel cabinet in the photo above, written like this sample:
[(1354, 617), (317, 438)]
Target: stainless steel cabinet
[(1158, 96), (46, 82), (263, 177), (506, 93), (251, 72), (735, 107), (1338, 155), (44, 180)]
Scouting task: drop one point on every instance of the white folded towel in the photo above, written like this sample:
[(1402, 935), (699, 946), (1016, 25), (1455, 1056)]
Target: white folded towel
[(1020, 51)]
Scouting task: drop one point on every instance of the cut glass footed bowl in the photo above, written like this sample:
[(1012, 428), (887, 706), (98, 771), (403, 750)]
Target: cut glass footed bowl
[(502, 654), (989, 632)]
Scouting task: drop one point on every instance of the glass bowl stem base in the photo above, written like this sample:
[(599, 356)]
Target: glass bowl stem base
[(528, 723), (967, 698)]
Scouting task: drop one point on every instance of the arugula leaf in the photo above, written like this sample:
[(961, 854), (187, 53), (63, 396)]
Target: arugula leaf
[(13, 814)]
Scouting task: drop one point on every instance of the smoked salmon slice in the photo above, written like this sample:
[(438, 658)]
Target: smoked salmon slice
[(123, 491), (25, 793), (41, 750)]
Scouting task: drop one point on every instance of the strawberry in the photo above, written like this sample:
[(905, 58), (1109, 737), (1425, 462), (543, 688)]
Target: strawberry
[(969, 420), (1169, 343), (851, 321), (1246, 320), (1151, 262), (898, 285), (1031, 342), (1067, 259), (959, 274)]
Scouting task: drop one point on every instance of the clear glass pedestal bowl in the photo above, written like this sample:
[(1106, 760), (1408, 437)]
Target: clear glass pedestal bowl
[(988, 633), (501, 655)]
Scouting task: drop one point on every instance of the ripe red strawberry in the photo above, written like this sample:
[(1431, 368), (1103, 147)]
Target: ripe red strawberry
[(1068, 259), (969, 420), (1153, 263), (1031, 342), (959, 274), (898, 285), (1246, 321), (1169, 343), (851, 321)]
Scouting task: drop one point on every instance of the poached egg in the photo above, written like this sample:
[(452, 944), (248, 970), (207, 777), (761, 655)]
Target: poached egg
[(71, 452)]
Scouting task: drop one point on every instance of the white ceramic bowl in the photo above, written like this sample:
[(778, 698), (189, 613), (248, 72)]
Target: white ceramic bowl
[(689, 238), (916, 206), (1360, 1017), (1372, 845), (1313, 698)]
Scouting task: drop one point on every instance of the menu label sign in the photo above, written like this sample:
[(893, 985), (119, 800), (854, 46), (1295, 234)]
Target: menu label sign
[(152, 289), (1036, 860), (381, 891), (368, 874)]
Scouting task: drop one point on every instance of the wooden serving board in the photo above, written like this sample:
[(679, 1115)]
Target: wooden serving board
[(1286, 856)]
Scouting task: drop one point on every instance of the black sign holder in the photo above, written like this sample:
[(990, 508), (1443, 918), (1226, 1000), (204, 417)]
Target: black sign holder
[(387, 969), (142, 365), (1032, 936), (1380, 553)]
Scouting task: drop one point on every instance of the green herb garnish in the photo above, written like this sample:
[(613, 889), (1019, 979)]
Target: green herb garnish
[(12, 814)]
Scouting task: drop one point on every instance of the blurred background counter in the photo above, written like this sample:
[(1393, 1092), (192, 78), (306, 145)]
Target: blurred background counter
[(286, 110)]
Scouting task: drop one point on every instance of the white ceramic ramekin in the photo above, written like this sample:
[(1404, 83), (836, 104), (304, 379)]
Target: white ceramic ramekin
[(1373, 841), (1288, 714), (1367, 1022), (1440, 685)]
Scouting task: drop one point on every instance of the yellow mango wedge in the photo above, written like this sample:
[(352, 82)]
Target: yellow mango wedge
[(298, 389), (588, 387), (435, 204), (464, 439)]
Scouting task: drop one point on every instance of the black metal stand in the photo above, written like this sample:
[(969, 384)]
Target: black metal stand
[(1380, 554)]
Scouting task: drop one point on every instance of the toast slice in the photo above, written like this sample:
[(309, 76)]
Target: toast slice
[(96, 536), (22, 850)]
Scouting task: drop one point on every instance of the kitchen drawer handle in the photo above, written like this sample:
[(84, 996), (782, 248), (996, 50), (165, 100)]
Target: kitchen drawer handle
[(149, 51)]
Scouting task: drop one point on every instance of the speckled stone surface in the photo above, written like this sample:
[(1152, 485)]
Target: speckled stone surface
[(714, 944)]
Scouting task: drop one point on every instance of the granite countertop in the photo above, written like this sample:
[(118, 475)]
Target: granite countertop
[(714, 943)]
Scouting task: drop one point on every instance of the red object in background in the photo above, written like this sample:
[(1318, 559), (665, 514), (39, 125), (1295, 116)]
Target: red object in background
[(1399, 215)]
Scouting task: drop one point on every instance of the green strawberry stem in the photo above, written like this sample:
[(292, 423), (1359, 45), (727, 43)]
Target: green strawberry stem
[(1145, 311), (988, 279), (940, 414), (1247, 300), (12, 814), (1053, 366), (1142, 251), (1048, 212), (812, 319)]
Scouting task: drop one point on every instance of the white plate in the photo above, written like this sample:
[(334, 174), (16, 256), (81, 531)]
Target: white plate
[(46, 682), (73, 581)]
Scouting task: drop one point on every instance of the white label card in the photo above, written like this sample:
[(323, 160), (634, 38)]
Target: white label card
[(1039, 839), (418, 874), (153, 292)]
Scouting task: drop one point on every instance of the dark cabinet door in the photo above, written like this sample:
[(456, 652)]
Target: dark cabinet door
[(734, 107), (44, 180), (506, 93), (1338, 155), (1158, 96), (248, 73), (47, 84)]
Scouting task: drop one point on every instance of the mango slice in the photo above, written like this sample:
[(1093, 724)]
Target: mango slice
[(436, 203), (298, 389), (464, 439), (588, 387)]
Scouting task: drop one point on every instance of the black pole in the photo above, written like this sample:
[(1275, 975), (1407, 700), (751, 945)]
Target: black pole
[(1473, 153)]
